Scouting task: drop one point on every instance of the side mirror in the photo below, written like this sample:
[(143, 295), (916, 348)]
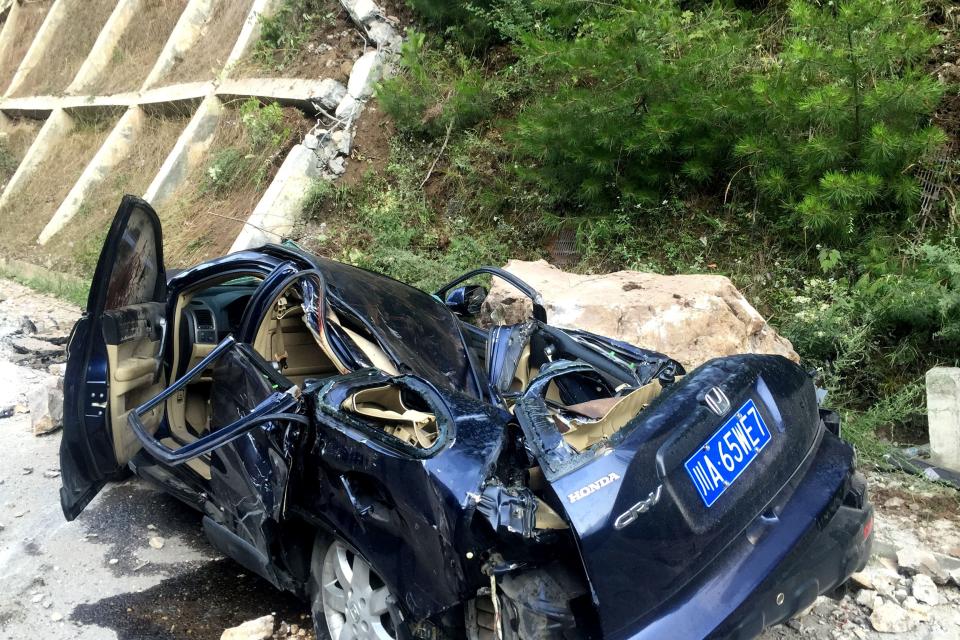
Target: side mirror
[(466, 300)]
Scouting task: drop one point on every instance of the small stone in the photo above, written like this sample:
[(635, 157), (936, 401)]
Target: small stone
[(46, 406), (156, 542), (900, 594), (257, 629), (27, 471), (114, 560), (892, 618), (913, 561), (51, 473), (151, 527), (56, 617), (37, 598), (893, 503), (925, 591), (867, 598)]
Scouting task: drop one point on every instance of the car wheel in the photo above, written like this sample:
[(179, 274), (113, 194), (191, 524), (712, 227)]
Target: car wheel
[(348, 598)]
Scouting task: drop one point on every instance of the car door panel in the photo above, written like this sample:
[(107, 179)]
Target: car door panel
[(124, 319), (133, 339)]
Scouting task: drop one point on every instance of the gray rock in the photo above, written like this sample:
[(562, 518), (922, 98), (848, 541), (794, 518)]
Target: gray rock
[(367, 70), (34, 346), (361, 11), (329, 94), (914, 561), (46, 406), (27, 326), (892, 618), (925, 591), (257, 629), (869, 599)]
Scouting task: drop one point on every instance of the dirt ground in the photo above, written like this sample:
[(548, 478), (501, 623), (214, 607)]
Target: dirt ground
[(100, 577)]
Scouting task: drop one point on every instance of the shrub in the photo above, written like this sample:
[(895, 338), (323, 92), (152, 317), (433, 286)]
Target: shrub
[(436, 91), (284, 32), (264, 124), (842, 114)]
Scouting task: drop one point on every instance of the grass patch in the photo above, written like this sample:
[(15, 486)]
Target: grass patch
[(76, 248), (138, 48), (202, 219), (303, 39), (55, 284), (26, 213), (386, 222), (206, 58), (29, 18), (13, 146), (70, 44)]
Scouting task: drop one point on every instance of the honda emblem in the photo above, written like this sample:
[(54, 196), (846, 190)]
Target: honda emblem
[(717, 400)]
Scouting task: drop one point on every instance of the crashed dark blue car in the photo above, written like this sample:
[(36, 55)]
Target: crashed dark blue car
[(365, 445)]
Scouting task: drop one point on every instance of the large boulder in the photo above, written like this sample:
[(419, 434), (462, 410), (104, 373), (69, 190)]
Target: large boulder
[(690, 318)]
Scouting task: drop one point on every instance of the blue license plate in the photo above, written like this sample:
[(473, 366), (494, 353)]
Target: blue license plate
[(727, 453)]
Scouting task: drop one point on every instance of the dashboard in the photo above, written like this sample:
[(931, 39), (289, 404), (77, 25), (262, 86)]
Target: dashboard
[(216, 312)]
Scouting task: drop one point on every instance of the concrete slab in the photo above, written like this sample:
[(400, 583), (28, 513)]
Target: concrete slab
[(101, 54), (41, 41), (190, 149), (56, 126), (286, 91), (113, 150), (943, 415)]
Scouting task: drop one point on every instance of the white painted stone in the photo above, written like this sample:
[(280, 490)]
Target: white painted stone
[(258, 629), (348, 109), (361, 11), (367, 70), (383, 33), (943, 416)]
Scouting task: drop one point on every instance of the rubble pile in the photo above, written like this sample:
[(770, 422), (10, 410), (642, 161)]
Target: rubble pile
[(34, 331)]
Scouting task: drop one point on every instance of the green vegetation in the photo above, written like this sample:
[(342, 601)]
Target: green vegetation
[(779, 144), (287, 30), (385, 223), (252, 157)]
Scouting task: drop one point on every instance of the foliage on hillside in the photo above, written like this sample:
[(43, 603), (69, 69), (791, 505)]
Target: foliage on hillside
[(778, 143)]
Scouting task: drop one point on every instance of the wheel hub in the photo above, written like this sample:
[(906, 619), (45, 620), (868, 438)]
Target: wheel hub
[(354, 597)]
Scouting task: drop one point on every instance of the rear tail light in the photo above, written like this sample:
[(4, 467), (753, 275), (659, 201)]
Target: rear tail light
[(868, 527)]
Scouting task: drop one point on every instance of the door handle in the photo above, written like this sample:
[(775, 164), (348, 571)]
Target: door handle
[(158, 364)]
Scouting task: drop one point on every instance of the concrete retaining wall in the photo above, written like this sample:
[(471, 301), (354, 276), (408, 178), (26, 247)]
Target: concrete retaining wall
[(322, 155)]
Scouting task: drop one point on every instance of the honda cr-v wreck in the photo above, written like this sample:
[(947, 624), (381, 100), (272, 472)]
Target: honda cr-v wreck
[(363, 444)]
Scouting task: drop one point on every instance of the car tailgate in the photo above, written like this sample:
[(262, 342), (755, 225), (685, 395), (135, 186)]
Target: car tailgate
[(643, 529)]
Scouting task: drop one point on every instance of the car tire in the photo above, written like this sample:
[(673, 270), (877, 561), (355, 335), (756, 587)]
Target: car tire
[(348, 598)]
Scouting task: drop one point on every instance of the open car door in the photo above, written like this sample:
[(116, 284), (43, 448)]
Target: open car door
[(114, 358)]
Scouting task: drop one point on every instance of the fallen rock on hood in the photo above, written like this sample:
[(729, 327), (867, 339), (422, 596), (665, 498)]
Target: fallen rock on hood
[(690, 318)]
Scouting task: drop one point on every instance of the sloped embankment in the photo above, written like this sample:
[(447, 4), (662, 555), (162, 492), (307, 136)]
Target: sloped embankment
[(24, 215), (138, 48), (67, 49), (77, 248), (203, 217)]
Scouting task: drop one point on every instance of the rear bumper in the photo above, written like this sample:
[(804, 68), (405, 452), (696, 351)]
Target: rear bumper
[(764, 578), (819, 565)]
